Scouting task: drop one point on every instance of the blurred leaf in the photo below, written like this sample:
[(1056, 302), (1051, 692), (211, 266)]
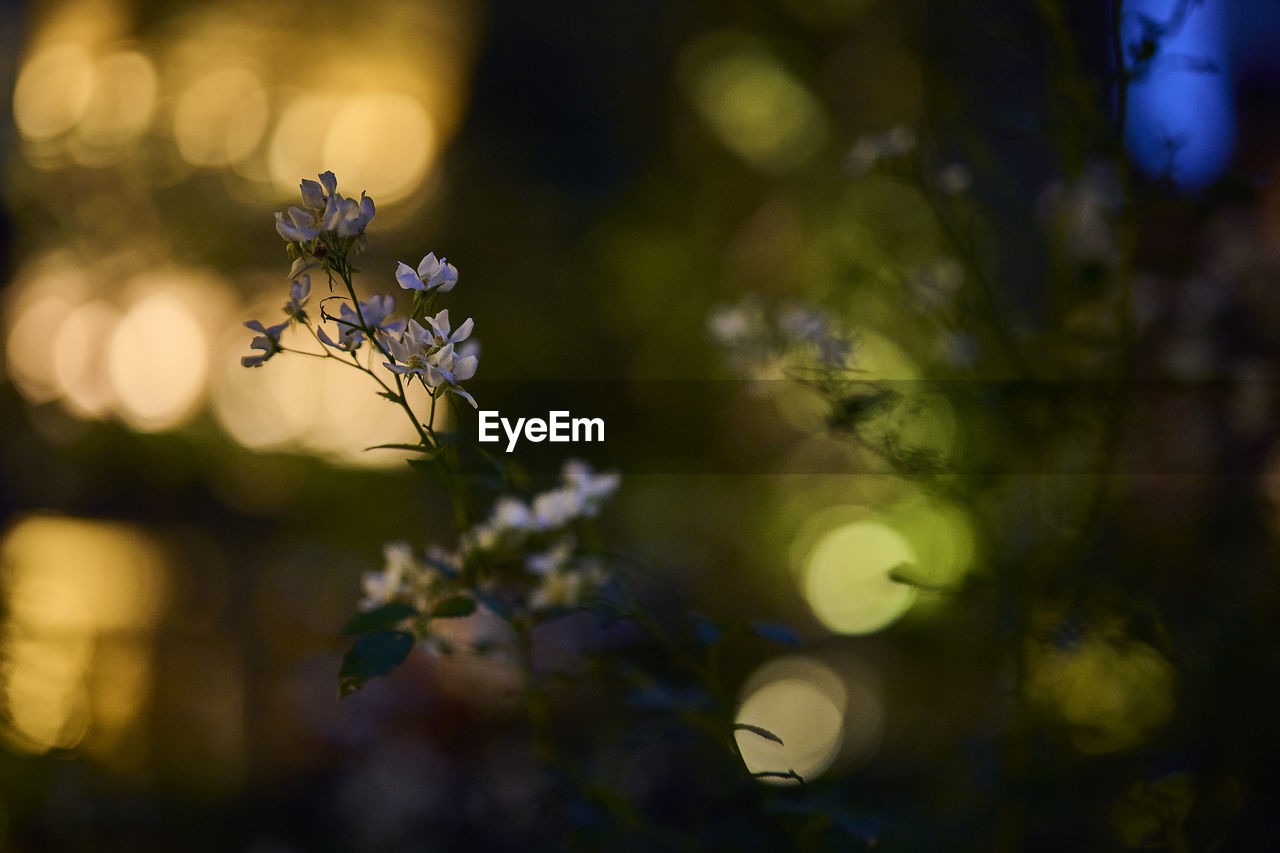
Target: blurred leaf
[(371, 656), (902, 573), (848, 413), (707, 630), (669, 697), (494, 603), (452, 608), (385, 616), (756, 730), (419, 448), (774, 632)]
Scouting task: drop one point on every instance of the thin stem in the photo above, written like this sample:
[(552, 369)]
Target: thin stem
[(344, 272), (1122, 69), (985, 288)]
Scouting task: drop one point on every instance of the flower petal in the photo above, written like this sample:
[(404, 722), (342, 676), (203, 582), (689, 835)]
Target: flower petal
[(466, 396), (312, 194), (465, 368), (463, 332), (427, 266), (407, 278)]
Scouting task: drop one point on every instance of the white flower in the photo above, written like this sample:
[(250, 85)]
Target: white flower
[(299, 227), (441, 334), (553, 559), (416, 353), (454, 369), (509, 513), (381, 587), (325, 211), (431, 274), (299, 293), (558, 590), (592, 489), (346, 216), (268, 340), (313, 195), (556, 508), (375, 313), (411, 351)]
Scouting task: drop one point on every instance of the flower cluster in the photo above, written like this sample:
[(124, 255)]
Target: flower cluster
[(325, 213), (323, 233), (798, 337), (525, 557), (868, 152), (439, 356)]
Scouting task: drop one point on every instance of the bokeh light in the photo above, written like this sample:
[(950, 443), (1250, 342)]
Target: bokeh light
[(120, 108), (157, 359), (53, 90), (801, 701), (1111, 691), (845, 576), (29, 346), (80, 358), (220, 117), (1181, 109), (309, 404), (381, 143), (755, 106), (67, 582)]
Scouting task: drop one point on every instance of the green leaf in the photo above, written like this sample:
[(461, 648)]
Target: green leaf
[(386, 616), (452, 608), (756, 730), (371, 656)]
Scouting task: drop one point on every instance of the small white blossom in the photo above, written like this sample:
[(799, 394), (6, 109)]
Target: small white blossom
[(268, 340), (313, 195), (299, 293), (557, 507), (509, 513), (441, 334), (411, 350), (347, 216), (299, 227), (432, 274), (324, 210), (1081, 214), (381, 587), (954, 179), (592, 489), (557, 557), (561, 589), (869, 151)]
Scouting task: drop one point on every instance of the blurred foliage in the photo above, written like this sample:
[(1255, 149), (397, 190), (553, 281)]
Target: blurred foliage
[(1066, 411)]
